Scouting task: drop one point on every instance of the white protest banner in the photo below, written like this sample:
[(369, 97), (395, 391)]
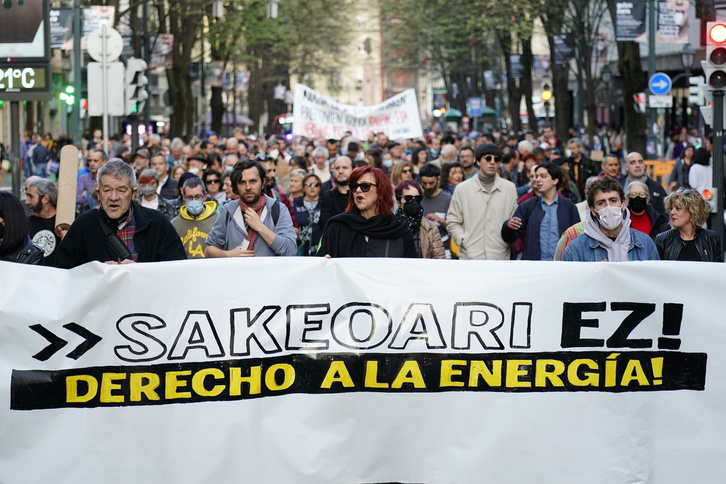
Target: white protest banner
[(317, 116), (308, 370)]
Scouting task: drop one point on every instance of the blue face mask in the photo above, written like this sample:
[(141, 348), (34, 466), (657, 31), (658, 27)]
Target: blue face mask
[(195, 207), (388, 163)]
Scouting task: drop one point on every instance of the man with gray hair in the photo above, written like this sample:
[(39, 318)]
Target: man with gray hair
[(120, 231), (41, 197)]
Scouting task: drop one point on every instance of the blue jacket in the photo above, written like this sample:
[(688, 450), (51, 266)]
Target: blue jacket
[(586, 249), (567, 216)]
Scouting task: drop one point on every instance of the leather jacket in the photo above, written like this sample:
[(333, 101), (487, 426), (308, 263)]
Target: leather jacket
[(28, 253), (669, 245)]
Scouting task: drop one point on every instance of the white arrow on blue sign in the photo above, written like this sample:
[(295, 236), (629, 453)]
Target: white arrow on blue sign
[(660, 84)]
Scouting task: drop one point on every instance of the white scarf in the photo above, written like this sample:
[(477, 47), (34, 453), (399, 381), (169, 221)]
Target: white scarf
[(618, 248)]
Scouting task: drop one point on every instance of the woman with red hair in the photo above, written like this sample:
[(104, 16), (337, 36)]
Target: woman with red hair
[(368, 227)]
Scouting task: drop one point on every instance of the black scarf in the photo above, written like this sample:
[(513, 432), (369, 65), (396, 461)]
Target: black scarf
[(377, 227), (413, 222)]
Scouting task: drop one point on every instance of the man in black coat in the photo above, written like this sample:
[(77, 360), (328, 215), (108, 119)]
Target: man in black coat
[(119, 232)]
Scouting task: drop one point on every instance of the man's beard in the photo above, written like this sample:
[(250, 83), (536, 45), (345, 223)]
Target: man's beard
[(342, 183), (257, 196), (37, 208)]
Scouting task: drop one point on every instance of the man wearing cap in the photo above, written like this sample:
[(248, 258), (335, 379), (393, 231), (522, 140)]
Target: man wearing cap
[(396, 150), (196, 217), (479, 207), (141, 160), (120, 231), (148, 185), (197, 163)]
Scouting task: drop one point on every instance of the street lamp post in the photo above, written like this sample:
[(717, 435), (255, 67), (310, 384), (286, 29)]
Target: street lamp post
[(688, 57)]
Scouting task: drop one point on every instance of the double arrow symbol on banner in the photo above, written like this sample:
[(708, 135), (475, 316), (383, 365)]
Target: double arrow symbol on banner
[(57, 343)]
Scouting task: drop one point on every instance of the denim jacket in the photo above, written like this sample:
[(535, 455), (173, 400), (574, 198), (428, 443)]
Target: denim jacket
[(586, 249)]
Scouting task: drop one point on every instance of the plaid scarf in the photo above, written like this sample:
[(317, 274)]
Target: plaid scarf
[(126, 231), (251, 234)]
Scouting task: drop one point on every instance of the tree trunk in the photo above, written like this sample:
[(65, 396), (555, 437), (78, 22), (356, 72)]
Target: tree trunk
[(216, 105), (526, 82), (255, 97), (633, 81), (185, 29), (279, 76), (514, 94)]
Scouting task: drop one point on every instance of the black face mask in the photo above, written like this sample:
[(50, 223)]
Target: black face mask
[(412, 208), (637, 204), (2, 231)]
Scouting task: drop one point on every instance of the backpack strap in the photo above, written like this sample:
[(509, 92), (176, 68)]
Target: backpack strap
[(275, 211)]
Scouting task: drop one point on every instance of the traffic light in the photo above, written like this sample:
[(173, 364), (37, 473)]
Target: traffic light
[(136, 82), (68, 95), (695, 93), (716, 56), (639, 99), (711, 195)]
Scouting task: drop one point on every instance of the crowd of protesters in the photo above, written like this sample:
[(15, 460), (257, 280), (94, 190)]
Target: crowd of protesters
[(479, 196)]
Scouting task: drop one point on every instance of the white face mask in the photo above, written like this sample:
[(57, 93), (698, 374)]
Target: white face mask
[(610, 217)]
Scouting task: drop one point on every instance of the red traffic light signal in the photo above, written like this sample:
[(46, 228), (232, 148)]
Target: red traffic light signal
[(717, 32), (716, 56)]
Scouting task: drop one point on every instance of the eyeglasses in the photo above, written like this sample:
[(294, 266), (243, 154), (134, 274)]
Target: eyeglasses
[(408, 198), (312, 185), (212, 180), (490, 158), (638, 195), (263, 158), (407, 170), (195, 198), (364, 187)]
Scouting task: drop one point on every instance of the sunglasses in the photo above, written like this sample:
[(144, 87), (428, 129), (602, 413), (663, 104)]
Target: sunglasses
[(213, 180), (312, 185), (490, 158), (408, 198), (364, 187), (407, 170), (684, 191)]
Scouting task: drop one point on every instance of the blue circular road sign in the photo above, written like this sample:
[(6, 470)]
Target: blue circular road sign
[(660, 84)]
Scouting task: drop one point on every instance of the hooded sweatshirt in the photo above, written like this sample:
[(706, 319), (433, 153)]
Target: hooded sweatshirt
[(193, 231)]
